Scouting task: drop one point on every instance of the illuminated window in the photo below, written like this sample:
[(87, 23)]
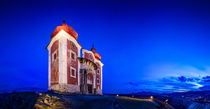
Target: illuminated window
[(54, 56), (73, 72)]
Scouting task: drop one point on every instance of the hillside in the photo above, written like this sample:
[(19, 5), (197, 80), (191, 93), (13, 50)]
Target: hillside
[(28, 100)]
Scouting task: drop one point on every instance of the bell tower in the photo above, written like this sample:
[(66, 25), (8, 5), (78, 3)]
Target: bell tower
[(63, 69)]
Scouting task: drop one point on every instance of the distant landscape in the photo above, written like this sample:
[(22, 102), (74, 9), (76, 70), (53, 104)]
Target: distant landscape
[(141, 100), (179, 100)]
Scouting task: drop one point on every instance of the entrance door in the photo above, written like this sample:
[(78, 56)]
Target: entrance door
[(90, 87)]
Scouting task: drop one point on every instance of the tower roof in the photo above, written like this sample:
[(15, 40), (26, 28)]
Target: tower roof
[(97, 56), (66, 28)]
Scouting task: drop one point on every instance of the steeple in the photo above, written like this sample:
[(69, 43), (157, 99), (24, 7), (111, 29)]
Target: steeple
[(64, 21), (93, 49), (93, 45), (97, 56)]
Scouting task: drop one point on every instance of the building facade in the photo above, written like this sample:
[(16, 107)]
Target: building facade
[(72, 68)]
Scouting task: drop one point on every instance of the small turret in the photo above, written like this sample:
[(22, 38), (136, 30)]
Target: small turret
[(97, 56)]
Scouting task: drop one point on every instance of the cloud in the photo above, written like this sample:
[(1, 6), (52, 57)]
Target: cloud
[(173, 84), (161, 70), (207, 87), (188, 79), (181, 82), (133, 84), (206, 79), (182, 79)]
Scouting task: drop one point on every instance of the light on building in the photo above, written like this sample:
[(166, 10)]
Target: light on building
[(117, 95), (151, 97)]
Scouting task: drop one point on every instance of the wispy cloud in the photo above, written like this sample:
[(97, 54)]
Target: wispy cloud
[(174, 84)]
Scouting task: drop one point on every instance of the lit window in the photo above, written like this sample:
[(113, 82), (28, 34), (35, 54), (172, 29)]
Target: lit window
[(73, 72)]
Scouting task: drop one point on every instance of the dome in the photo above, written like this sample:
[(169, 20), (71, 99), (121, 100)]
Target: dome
[(67, 29), (97, 56)]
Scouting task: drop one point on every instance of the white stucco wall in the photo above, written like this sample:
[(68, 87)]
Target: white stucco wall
[(62, 60)]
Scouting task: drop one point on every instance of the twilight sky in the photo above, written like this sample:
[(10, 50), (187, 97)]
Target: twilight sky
[(146, 45)]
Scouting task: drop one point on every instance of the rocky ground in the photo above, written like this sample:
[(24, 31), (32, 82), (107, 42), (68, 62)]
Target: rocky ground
[(92, 102), (28, 100)]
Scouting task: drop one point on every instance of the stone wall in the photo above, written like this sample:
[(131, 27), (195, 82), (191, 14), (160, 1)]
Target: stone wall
[(98, 91), (66, 88)]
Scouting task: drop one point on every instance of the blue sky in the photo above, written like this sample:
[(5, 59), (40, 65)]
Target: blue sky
[(146, 45)]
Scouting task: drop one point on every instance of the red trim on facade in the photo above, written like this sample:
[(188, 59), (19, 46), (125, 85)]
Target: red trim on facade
[(55, 64), (89, 56), (72, 63)]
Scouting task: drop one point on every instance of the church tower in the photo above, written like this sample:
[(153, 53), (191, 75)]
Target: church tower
[(64, 51), (68, 71)]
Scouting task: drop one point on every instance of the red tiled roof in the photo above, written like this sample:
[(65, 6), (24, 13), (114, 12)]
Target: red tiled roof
[(67, 29)]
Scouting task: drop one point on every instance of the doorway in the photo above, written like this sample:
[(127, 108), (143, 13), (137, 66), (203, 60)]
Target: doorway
[(90, 88)]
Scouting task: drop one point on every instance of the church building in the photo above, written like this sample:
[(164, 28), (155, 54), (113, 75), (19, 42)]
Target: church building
[(71, 68)]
